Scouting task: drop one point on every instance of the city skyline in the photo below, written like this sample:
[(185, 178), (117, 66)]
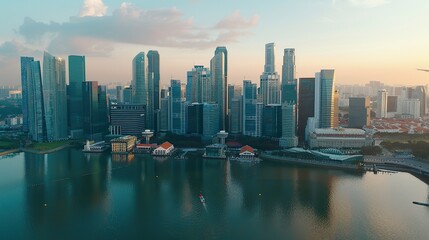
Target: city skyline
[(357, 38)]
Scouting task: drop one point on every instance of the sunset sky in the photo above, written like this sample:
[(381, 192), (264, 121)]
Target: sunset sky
[(363, 40)]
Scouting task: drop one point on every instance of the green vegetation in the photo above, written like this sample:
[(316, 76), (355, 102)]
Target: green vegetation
[(9, 107), (418, 148), (46, 146), (7, 144)]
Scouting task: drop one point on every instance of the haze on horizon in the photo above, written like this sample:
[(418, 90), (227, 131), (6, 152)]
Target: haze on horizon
[(364, 40)]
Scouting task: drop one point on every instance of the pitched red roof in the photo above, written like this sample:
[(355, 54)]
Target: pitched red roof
[(166, 145), (247, 148)]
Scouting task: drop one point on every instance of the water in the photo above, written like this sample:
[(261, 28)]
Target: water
[(70, 195)]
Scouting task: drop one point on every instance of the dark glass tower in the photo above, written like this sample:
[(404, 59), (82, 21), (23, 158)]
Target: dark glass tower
[(76, 79), (305, 104), (90, 110)]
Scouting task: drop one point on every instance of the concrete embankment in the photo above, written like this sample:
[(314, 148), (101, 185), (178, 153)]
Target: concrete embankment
[(308, 162)]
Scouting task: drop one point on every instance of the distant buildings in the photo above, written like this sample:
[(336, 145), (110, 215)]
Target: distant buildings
[(250, 111), (269, 80), (177, 107), (382, 104), (344, 138), (288, 137), (219, 71), (289, 84)]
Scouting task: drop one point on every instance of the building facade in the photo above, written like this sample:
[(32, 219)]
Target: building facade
[(359, 112), (77, 75), (306, 103), (127, 119), (324, 105)]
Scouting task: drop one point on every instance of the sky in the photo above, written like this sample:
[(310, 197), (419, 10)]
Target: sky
[(363, 40)]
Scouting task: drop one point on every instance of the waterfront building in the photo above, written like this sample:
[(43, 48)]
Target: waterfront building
[(199, 85), (247, 152), (219, 71), (250, 123), (215, 150), (324, 103), (123, 144), (272, 121), (289, 84), (55, 97), (339, 138), (33, 109), (382, 104), (177, 107), (288, 126), (77, 75), (164, 149), (195, 119), (95, 147), (306, 103), (127, 119), (359, 112), (211, 125)]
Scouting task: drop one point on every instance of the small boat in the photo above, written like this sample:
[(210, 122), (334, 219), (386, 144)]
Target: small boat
[(422, 204), (202, 200)]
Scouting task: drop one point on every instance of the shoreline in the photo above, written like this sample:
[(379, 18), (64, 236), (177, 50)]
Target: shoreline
[(4, 153), (45, 151)]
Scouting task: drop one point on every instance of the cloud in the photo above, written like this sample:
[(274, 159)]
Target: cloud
[(236, 21), (132, 25), (95, 8), (368, 3)]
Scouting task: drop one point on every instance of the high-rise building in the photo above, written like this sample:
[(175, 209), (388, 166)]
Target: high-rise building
[(119, 94), (219, 71), (306, 104), (392, 105), (288, 133), (143, 88), (210, 120), (128, 95), (32, 94), (91, 126), (127, 119), (199, 85), (359, 112), (153, 87), (382, 104), (289, 84), (270, 66), (411, 107), (324, 104), (164, 113), (272, 121), (77, 75), (55, 97), (103, 107), (236, 115), (178, 107), (249, 108), (420, 93), (195, 119), (336, 120), (270, 80)]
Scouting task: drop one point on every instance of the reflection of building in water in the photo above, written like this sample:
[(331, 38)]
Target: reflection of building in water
[(118, 157), (57, 180)]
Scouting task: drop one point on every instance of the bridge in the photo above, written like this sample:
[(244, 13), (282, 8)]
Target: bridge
[(399, 164)]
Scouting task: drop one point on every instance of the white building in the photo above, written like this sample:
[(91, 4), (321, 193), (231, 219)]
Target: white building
[(382, 104), (411, 107), (339, 138), (164, 149)]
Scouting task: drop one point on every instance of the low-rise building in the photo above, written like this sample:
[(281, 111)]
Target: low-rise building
[(92, 146), (164, 149), (247, 152), (345, 138), (123, 144), (215, 151)]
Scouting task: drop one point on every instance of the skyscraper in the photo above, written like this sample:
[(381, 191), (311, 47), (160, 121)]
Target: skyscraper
[(55, 97), (306, 104), (272, 121), (210, 120), (91, 111), (127, 119), (178, 107), (219, 70), (199, 85), (32, 93), (288, 119), (382, 104), (143, 88), (103, 115), (270, 86), (359, 112), (236, 115), (76, 78), (289, 85), (269, 66), (324, 99), (164, 113), (195, 119), (250, 120), (153, 86)]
